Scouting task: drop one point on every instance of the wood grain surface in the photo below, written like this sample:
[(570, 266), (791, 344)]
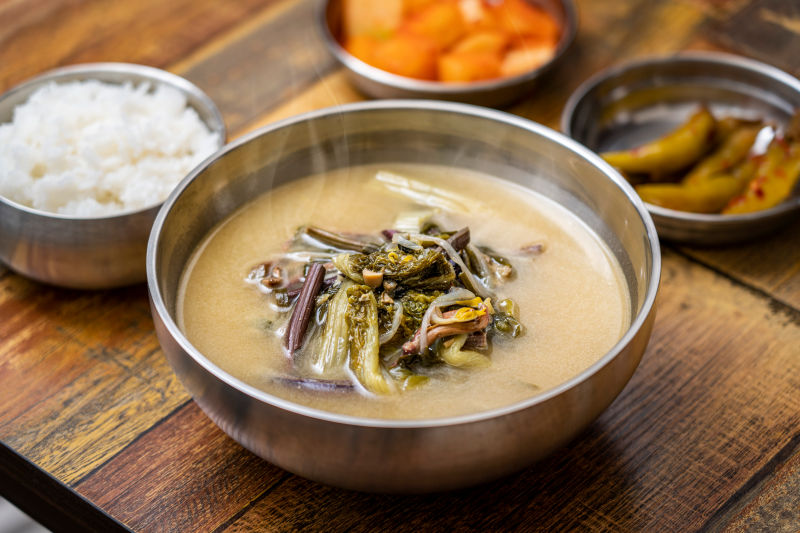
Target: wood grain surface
[(98, 433)]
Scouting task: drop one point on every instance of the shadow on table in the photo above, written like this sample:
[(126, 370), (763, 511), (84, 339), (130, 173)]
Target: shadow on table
[(567, 490)]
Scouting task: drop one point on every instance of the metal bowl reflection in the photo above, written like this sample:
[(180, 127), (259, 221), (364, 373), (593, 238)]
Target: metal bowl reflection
[(404, 455)]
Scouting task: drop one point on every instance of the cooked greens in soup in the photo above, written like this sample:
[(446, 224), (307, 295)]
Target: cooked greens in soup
[(403, 292)]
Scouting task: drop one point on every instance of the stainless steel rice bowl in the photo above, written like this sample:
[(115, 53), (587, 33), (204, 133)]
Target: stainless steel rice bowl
[(87, 252), (404, 455)]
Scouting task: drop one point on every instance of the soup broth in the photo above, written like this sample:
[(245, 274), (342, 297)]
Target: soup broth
[(572, 297)]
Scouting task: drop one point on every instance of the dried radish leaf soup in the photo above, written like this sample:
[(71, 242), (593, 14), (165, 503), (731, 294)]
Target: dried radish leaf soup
[(571, 294)]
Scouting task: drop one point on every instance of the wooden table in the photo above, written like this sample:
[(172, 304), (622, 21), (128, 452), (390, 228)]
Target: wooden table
[(98, 434)]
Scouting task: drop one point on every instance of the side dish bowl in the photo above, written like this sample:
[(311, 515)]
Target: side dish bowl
[(404, 455), (87, 252), (378, 83), (627, 105)]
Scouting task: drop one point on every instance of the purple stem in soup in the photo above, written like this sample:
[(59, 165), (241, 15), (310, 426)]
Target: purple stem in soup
[(296, 287), (317, 385), (477, 341), (301, 314), (415, 345), (460, 239), (341, 241)]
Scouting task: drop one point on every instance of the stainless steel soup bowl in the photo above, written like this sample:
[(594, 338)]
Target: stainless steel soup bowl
[(87, 252), (404, 455)]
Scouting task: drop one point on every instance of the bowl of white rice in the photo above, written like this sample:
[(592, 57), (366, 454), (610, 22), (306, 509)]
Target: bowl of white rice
[(88, 153)]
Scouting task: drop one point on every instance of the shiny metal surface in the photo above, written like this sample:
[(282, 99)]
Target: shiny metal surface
[(96, 252), (378, 83), (630, 104), (404, 455)]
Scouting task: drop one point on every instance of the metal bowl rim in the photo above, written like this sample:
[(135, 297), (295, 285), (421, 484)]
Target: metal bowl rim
[(721, 58), (431, 89), (638, 321), (89, 69)]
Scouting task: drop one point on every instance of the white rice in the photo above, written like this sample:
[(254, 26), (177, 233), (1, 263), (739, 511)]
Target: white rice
[(93, 149)]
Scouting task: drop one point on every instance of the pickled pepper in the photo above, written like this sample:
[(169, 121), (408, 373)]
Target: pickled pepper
[(775, 178), (731, 152), (675, 151)]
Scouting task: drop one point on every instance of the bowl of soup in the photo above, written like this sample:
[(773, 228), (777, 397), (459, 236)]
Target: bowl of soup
[(502, 366)]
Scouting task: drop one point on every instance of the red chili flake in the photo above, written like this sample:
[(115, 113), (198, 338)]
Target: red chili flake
[(780, 172), (756, 186)]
